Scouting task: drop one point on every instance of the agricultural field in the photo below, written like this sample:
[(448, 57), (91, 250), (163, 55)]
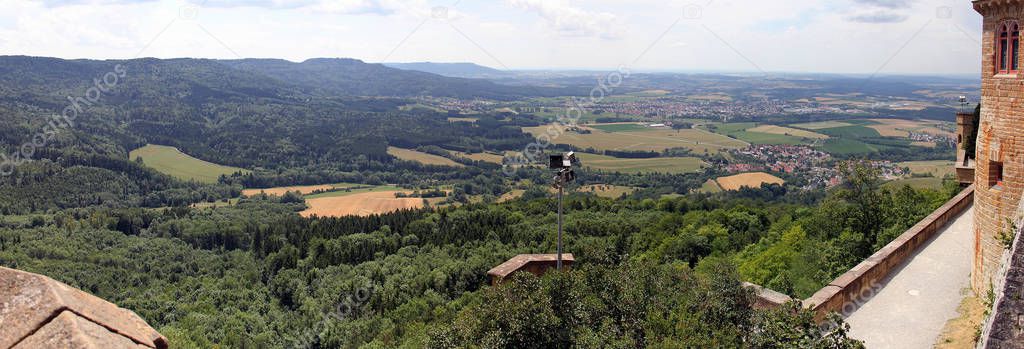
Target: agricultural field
[(938, 168), (820, 125), (361, 204), (752, 180), (711, 97), (863, 136), (607, 191), (780, 130), (650, 93), (485, 157), (660, 164), (710, 187), (302, 189), (902, 128), (621, 127), (853, 131), (345, 191), (846, 146), (171, 161), (746, 131), (455, 119), (421, 157), (589, 115), (699, 141), (512, 195)]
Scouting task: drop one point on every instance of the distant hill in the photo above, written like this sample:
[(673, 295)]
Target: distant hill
[(353, 77), (242, 113), (458, 70)]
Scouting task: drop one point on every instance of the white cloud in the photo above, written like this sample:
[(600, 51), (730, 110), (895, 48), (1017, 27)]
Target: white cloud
[(572, 21), (521, 34)]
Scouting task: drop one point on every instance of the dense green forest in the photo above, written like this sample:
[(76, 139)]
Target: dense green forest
[(659, 273), (660, 267)]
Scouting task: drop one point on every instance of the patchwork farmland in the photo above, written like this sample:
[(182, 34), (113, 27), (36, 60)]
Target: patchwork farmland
[(660, 164), (649, 139), (766, 134)]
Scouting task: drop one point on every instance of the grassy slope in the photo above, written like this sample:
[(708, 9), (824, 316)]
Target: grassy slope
[(179, 165), (423, 158)]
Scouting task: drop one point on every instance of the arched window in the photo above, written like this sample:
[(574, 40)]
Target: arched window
[(1007, 47)]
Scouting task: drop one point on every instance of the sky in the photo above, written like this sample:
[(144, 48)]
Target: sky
[(928, 37)]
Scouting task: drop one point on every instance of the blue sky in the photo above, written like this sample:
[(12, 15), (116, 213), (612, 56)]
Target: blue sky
[(936, 37)]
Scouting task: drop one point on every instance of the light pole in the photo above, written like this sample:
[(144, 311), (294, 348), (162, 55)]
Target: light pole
[(564, 174)]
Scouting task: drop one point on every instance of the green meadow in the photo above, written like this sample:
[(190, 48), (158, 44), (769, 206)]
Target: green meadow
[(171, 161)]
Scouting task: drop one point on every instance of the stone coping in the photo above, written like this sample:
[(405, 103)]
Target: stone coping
[(848, 288)]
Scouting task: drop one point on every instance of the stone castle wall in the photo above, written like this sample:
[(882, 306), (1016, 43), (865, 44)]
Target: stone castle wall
[(1000, 139)]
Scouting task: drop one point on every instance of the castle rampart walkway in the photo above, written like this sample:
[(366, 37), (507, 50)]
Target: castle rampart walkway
[(908, 309)]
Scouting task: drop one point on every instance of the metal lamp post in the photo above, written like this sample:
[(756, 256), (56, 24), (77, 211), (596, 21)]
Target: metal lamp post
[(564, 174)]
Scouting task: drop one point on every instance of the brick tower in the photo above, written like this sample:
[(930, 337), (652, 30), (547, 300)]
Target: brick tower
[(1000, 162), (965, 127)]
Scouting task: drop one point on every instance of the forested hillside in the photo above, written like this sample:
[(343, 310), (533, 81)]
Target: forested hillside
[(660, 266), (650, 273), (351, 77), (215, 113)]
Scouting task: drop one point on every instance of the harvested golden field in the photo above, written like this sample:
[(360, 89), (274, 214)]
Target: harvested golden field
[(302, 189), (779, 130), (646, 140), (421, 157), (361, 204), (753, 180), (924, 144)]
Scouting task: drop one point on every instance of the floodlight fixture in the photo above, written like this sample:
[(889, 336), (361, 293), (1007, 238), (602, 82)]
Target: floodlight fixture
[(562, 164)]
